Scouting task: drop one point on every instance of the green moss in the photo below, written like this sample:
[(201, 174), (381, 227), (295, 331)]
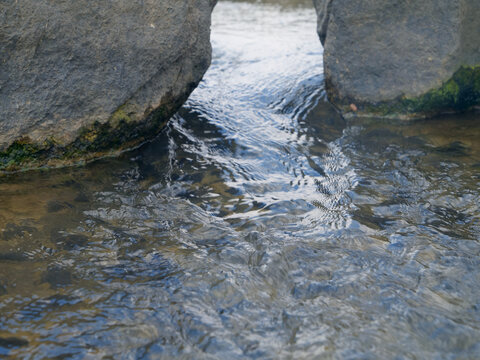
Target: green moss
[(120, 132), (123, 114), (459, 93), (17, 154)]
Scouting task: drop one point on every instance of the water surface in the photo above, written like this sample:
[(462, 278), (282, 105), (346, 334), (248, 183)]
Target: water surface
[(258, 225)]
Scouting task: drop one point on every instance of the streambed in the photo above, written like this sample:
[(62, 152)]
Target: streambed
[(259, 224)]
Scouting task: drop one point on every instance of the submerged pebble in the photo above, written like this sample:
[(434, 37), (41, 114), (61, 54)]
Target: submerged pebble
[(71, 241), (57, 276), (12, 342)]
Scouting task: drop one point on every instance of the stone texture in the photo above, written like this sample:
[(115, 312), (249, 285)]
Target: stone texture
[(398, 57), (81, 79)]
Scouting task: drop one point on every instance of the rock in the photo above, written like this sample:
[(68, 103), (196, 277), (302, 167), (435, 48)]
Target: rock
[(54, 206), (82, 198), (71, 241), (57, 276), (12, 342), (82, 79), (12, 256), (12, 231), (401, 58)]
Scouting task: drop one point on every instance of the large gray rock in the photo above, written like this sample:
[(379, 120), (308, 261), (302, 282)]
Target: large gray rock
[(81, 79), (406, 58)]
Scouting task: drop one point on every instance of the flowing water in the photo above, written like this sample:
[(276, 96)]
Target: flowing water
[(258, 225)]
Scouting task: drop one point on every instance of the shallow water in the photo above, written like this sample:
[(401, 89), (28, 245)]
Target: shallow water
[(259, 224)]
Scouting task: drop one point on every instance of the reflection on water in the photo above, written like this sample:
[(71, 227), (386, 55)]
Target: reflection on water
[(258, 225)]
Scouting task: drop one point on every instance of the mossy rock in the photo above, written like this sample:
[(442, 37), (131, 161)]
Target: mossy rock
[(400, 59), (116, 135), (460, 93), (101, 78)]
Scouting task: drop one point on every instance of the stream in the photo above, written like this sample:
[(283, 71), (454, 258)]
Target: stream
[(258, 225)]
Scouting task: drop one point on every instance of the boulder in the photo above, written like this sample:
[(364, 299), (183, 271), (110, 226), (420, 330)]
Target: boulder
[(85, 79), (401, 58)]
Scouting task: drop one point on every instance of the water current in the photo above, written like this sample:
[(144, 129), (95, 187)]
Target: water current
[(258, 225)]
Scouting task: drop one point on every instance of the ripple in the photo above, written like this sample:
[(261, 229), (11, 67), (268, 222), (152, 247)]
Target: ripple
[(259, 224)]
